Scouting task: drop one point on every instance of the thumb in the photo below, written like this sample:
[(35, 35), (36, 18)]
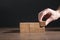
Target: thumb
[(49, 20)]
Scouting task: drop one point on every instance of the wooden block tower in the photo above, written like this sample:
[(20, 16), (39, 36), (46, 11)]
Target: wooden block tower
[(32, 27)]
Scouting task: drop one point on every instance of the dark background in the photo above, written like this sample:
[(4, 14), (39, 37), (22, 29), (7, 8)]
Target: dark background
[(12, 12)]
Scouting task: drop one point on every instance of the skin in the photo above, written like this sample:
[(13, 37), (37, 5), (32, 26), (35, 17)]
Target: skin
[(55, 14)]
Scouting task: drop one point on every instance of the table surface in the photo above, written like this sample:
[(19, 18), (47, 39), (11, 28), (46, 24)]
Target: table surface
[(14, 34)]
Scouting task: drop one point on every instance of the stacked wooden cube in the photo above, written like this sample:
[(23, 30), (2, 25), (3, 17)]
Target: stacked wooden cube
[(32, 27)]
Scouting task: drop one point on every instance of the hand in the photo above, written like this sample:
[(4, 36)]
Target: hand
[(54, 15)]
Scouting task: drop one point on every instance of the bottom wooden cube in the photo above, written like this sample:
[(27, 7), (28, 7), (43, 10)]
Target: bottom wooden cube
[(31, 27)]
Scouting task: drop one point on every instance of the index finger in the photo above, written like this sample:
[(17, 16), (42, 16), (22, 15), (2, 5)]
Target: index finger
[(43, 14)]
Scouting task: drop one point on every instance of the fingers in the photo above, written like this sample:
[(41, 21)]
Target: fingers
[(49, 20), (52, 15), (42, 14)]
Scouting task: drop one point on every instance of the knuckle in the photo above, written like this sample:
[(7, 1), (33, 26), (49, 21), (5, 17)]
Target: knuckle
[(48, 8), (54, 18)]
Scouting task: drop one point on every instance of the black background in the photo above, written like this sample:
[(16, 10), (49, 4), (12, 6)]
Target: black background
[(12, 12)]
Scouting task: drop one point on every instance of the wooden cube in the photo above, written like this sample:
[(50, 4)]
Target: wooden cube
[(35, 28), (31, 27), (24, 27), (42, 24)]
